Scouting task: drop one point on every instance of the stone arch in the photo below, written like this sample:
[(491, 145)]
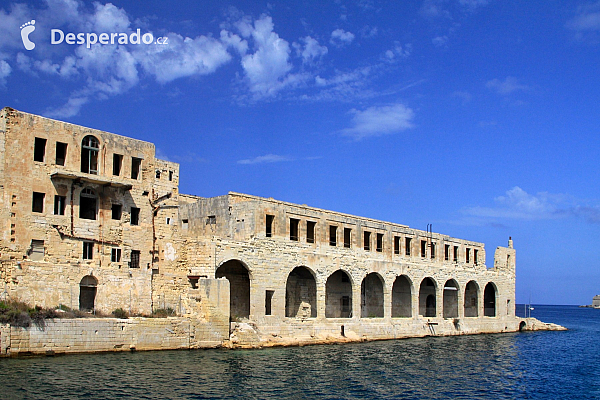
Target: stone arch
[(427, 298), (489, 300), (450, 299), (371, 296), (402, 297), (90, 148), (301, 293), (238, 275), (472, 299), (87, 292), (338, 295)]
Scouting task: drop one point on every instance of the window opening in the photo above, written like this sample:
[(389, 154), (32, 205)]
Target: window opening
[(87, 204), (211, 220), (268, 300), (89, 155), (170, 175), (332, 235), (310, 231), (468, 255), (117, 164), (396, 244), (432, 250), (269, 225), (157, 174), (135, 216), (115, 254), (347, 237), (135, 259), (455, 253), (407, 246), (446, 252), (36, 252), (380, 242), (60, 203), (61, 153), (184, 224), (475, 254), (37, 204), (88, 250), (423, 248), (294, 225), (367, 240), (116, 211), (39, 149), (136, 163)]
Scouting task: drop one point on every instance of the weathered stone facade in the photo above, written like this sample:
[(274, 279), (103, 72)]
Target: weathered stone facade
[(94, 220)]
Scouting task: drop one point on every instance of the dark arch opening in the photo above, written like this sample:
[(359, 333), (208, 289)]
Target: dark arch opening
[(522, 326), (90, 147), (489, 300), (450, 299), (471, 299), (87, 292), (371, 293), (239, 288), (338, 295), (301, 294), (427, 300), (401, 298)]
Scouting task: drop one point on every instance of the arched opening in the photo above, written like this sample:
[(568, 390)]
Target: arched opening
[(87, 292), (90, 147), (87, 204), (371, 296), (301, 294), (427, 300), (239, 288), (338, 295), (489, 300), (522, 326), (401, 298), (471, 299), (451, 299)]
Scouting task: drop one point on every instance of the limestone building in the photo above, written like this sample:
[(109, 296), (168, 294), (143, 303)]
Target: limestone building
[(94, 220)]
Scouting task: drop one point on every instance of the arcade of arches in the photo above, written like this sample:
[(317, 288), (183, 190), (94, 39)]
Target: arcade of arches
[(301, 295)]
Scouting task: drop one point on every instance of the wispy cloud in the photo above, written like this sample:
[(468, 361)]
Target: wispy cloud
[(517, 204), (507, 86), (340, 37), (587, 18), (377, 121), (268, 158)]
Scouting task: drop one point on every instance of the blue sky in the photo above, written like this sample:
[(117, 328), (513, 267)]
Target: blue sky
[(478, 116)]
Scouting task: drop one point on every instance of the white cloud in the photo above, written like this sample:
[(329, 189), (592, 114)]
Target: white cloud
[(377, 121), (440, 41), (507, 86), (398, 52), (340, 37), (269, 158), (473, 4), (517, 204), (311, 51), (587, 18), (70, 109), (5, 70)]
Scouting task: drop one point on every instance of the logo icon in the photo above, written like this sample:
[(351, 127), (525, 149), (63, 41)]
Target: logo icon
[(26, 29)]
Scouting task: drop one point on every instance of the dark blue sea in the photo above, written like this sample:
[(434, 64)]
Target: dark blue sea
[(532, 365)]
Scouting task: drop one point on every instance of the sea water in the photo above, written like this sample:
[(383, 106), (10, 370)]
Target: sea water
[(530, 365)]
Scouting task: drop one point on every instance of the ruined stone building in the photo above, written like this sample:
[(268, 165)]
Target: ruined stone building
[(93, 220)]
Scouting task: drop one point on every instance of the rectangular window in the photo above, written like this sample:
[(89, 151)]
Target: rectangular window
[(170, 175), (332, 235), (184, 224), (468, 255), (115, 254), (37, 250), (367, 240), (294, 226), (87, 206), (407, 246), (60, 203), (310, 231), (379, 247), (269, 225), (37, 205), (475, 254), (396, 244), (447, 252), (432, 250), (116, 211), (61, 153), (136, 164), (211, 220), (268, 300), (423, 248), (135, 216), (117, 164), (88, 250), (347, 237), (39, 149), (135, 259), (455, 253)]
